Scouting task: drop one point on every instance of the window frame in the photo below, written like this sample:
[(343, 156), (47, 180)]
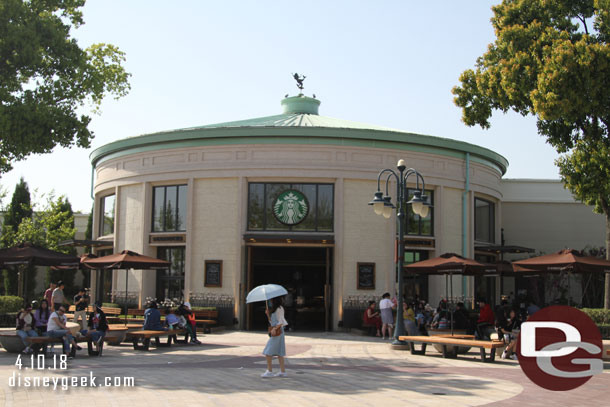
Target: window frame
[(491, 220), (180, 278), (164, 188), (430, 194), (292, 228), (102, 215)]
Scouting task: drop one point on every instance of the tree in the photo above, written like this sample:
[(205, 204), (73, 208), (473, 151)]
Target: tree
[(45, 77), (586, 172), (550, 59), (48, 227), (19, 209)]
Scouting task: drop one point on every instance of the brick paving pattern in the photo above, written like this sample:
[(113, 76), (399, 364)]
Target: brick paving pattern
[(324, 369)]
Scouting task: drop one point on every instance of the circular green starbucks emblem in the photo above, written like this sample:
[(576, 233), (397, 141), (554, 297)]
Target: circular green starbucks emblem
[(290, 207)]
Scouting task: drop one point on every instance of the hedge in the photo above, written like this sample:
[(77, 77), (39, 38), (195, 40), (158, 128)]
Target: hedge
[(10, 303), (600, 316)]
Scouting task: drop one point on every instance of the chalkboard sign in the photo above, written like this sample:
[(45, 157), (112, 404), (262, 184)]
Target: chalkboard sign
[(366, 276), (213, 273)]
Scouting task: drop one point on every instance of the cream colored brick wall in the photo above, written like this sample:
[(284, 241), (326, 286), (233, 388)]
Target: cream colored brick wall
[(216, 234), (367, 237), (130, 223)]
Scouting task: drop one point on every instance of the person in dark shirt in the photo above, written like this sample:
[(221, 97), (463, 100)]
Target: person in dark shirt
[(81, 302), (152, 318), (461, 318)]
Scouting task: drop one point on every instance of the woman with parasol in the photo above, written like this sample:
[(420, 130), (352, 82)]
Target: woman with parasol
[(276, 345)]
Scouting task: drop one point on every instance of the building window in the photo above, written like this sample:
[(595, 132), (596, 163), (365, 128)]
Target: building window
[(320, 211), (416, 225), (170, 282), (107, 215), (169, 208), (484, 223)]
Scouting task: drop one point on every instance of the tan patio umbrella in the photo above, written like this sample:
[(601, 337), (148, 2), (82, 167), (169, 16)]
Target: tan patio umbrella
[(567, 260), (448, 264), (126, 260)]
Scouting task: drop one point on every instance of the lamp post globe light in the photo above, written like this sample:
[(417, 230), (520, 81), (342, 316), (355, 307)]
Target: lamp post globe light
[(382, 205)]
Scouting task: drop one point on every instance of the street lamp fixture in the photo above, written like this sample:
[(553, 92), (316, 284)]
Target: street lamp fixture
[(382, 205)]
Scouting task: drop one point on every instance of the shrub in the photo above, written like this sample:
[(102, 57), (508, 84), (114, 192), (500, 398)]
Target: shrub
[(203, 308), (110, 305), (600, 316), (10, 303)]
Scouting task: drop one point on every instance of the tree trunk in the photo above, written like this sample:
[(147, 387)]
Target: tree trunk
[(607, 288)]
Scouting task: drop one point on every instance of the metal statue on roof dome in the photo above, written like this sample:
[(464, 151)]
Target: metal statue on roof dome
[(299, 80)]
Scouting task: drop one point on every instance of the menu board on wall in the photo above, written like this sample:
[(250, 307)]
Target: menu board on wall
[(366, 276), (213, 273)]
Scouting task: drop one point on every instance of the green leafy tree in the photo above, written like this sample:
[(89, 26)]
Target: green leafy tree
[(47, 228), (19, 209), (586, 172), (550, 59), (45, 77)]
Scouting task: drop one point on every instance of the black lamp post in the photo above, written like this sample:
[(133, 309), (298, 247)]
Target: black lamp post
[(383, 206)]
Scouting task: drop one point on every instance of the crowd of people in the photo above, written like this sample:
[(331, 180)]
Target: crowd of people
[(47, 318), (419, 317)]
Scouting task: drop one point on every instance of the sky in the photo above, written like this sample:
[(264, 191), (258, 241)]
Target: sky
[(386, 63)]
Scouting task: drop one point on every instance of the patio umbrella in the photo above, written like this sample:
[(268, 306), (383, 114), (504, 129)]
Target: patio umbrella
[(126, 260), (265, 292), (570, 261), (564, 260), (448, 264), (28, 254)]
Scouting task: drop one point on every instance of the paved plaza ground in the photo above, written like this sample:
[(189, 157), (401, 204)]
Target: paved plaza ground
[(324, 369)]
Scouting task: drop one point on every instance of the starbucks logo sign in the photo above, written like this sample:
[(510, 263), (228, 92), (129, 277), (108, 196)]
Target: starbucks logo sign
[(290, 207)]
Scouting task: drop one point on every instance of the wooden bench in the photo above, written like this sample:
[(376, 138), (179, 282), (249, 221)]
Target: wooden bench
[(111, 312), (146, 336), (39, 343), (450, 344), (203, 318)]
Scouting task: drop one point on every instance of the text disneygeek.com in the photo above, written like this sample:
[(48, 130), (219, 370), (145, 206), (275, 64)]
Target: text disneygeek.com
[(66, 382)]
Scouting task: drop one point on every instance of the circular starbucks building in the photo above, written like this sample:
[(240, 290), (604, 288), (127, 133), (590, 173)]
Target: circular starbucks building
[(283, 199)]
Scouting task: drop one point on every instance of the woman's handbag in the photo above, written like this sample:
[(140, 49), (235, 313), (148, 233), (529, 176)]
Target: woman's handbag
[(275, 330)]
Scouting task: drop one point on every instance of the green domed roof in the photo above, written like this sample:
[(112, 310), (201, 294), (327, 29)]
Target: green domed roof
[(299, 124)]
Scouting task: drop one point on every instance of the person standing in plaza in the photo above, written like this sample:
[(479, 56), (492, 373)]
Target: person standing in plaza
[(276, 345), (58, 298), (387, 318), (81, 302), (48, 294)]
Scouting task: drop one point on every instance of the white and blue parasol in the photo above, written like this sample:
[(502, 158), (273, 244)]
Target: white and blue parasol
[(265, 292)]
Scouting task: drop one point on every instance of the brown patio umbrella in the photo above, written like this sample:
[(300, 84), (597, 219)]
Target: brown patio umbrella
[(567, 260), (448, 264), (126, 260), (81, 264), (29, 254), (564, 260)]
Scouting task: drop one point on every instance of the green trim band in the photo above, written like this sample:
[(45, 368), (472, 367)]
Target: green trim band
[(299, 135)]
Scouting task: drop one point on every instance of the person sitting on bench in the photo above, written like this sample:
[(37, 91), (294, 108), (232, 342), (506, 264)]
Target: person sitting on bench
[(152, 318), (25, 326), (98, 326), (190, 324), (372, 318), (486, 319), (171, 320), (56, 328)]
